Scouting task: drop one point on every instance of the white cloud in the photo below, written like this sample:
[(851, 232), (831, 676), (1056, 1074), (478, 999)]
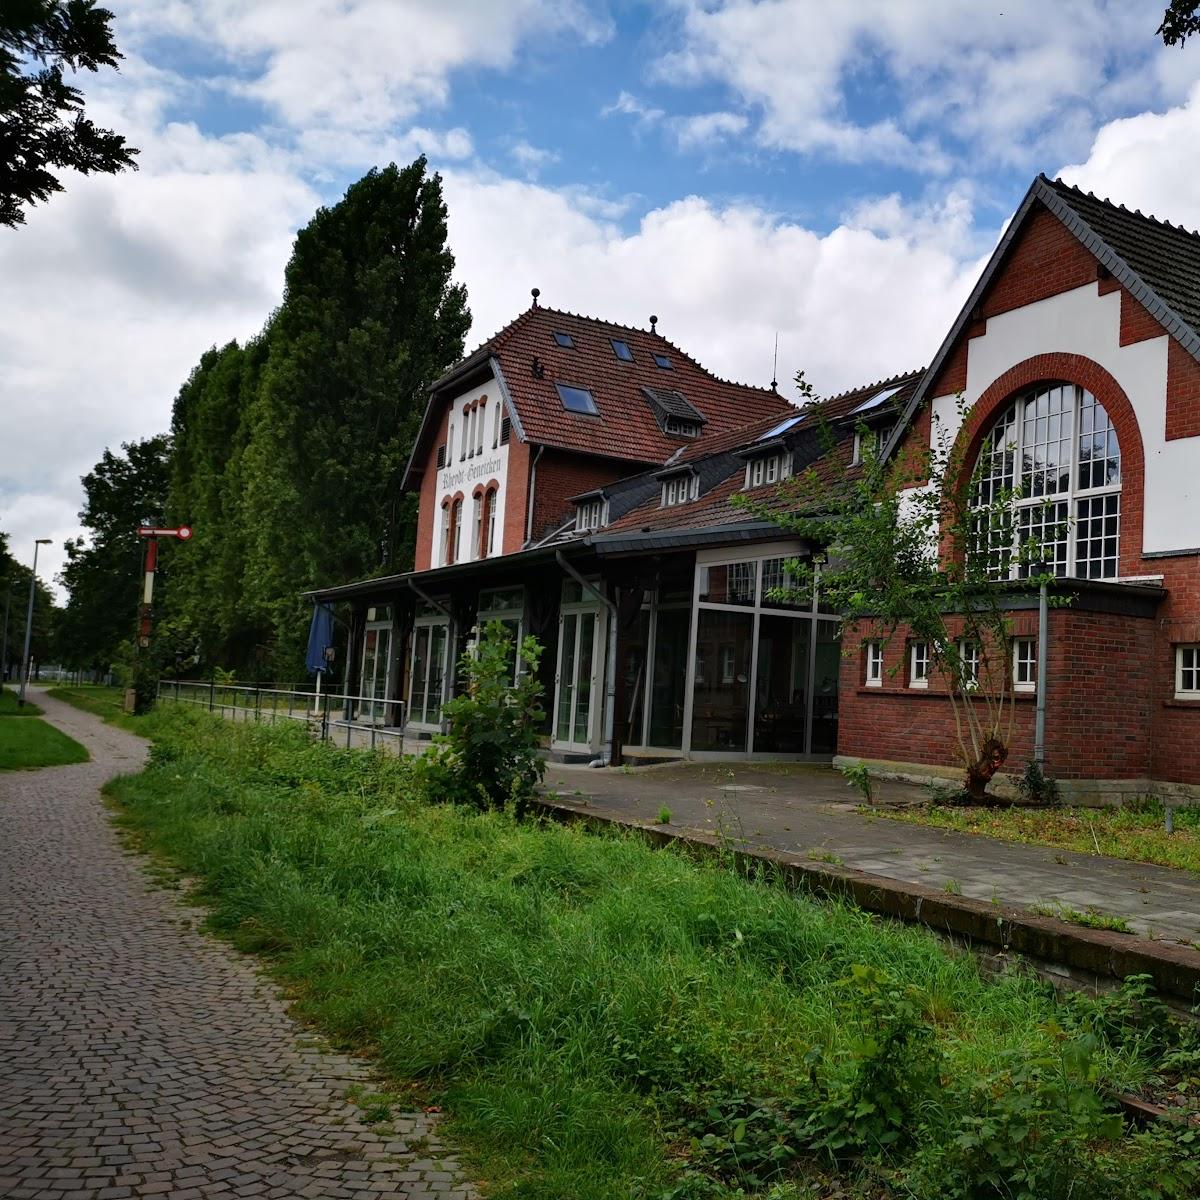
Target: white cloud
[(1009, 84), (359, 64), (693, 132), (1147, 162), (531, 159), (723, 280)]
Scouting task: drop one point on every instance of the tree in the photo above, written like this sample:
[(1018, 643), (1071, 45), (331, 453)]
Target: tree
[(42, 123), (1180, 21), (370, 317), (14, 588), (122, 491), (931, 563)]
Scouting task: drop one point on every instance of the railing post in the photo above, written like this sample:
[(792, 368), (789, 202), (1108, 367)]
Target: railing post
[(212, 694)]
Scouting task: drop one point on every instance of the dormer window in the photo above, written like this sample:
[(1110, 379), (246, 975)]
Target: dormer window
[(771, 468), (590, 514), (663, 362), (564, 339), (679, 489), (622, 350), (678, 427), (875, 438)]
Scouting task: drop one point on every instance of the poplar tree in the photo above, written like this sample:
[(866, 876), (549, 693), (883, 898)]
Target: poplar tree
[(370, 317)]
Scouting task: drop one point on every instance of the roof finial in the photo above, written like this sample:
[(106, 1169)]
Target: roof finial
[(535, 293), (653, 323), (775, 365)]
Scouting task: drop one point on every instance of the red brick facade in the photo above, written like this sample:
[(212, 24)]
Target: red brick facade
[(1183, 393), (561, 475)]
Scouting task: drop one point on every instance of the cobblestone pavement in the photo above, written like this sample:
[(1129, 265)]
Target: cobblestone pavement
[(141, 1058)]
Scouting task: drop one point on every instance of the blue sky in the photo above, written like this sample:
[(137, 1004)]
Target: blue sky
[(830, 173)]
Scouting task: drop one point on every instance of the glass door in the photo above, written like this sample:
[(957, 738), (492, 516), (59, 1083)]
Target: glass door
[(427, 676), (373, 683), (575, 687)]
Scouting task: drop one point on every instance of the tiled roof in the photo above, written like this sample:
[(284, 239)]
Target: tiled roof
[(625, 427), (806, 438), (1166, 256)]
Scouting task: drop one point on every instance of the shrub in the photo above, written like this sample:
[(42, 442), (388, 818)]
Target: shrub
[(490, 755)]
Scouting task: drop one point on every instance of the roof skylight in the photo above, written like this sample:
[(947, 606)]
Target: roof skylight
[(564, 339), (576, 399), (622, 350), (876, 400), (661, 360), (782, 428)]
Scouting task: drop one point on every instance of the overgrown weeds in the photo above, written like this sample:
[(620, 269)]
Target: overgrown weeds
[(604, 1020)]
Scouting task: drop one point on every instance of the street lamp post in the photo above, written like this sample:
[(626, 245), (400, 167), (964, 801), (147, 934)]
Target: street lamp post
[(4, 644), (29, 619)]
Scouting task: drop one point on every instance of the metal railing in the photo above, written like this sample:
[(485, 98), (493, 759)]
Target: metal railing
[(353, 721)]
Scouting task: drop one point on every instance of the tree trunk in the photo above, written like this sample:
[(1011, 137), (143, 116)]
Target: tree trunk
[(979, 773)]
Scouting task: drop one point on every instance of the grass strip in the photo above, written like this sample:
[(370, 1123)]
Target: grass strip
[(9, 706), (1135, 832), (604, 1020), (108, 703), (26, 744)]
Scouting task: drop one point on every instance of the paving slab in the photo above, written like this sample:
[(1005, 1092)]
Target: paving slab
[(809, 809), (139, 1057)]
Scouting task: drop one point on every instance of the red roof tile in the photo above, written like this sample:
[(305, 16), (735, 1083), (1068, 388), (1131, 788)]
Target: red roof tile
[(625, 426)]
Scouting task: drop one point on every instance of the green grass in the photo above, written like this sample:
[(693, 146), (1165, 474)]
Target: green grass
[(1090, 918), (582, 1005), (108, 703), (1134, 832), (10, 708), (29, 743)]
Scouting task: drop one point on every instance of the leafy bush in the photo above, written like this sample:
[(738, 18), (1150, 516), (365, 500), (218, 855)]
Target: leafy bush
[(1036, 787), (490, 755)]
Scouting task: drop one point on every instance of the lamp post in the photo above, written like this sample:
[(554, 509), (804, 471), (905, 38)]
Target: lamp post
[(4, 644), (29, 619)]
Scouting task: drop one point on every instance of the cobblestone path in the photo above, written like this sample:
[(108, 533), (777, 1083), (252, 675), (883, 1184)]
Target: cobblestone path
[(141, 1058)]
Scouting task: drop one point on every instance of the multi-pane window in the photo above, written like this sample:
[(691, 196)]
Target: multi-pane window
[(680, 489), (1052, 457), (456, 530), (770, 469), (875, 438), (1025, 665), (496, 426), (490, 498), (1187, 672), (874, 664), (590, 514), (918, 664), (482, 417), (477, 525)]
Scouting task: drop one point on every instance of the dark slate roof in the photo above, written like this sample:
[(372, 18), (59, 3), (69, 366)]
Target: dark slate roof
[(1165, 256), (669, 403), (1158, 263)]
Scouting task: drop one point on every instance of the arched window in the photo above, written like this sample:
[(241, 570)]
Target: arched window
[(490, 522), (447, 532), (1055, 451), (455, 530), (477, 506)]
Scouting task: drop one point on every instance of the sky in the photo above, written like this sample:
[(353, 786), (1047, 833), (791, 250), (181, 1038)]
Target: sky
[(833, 175)]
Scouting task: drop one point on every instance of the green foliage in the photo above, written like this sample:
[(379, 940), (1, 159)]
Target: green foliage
[(1181, 20), (907, 560), (1036, 787), (588, 1010), (859, 777), (14, 594), (664, 815), (490, 755), (103, 571), (26, 744), (43, 128)]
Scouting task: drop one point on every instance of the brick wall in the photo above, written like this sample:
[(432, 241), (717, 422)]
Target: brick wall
[(428, 501), (561, 475), (1183, 393), (1100, 701)]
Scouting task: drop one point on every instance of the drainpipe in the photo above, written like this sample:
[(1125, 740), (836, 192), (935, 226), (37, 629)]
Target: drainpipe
[(529, 494), (610, 663), (1039, 734)]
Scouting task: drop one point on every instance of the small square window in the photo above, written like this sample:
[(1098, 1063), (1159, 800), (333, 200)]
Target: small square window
[(1025, 665), (575, 399), (874, 664), (918, 665), (968, 663), (1187, 672), (622, 350), (661, 360), (564, 339)]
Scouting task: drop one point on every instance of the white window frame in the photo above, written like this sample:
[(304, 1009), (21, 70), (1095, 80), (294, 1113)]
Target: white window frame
[(476, 525), (466, 427), (772, 468), (456, 516), (922, 659), (679, 489), (969, 657), (493, 504), (1073, 497), (590, 514), (1182, 670), (422, 625), (496, 425), (1025, 664), (874, 675)]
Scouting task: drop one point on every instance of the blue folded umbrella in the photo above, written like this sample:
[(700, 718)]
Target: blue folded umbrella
[(320, 636)]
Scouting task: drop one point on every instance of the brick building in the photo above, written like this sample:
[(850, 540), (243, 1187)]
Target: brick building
[(577, 480)]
